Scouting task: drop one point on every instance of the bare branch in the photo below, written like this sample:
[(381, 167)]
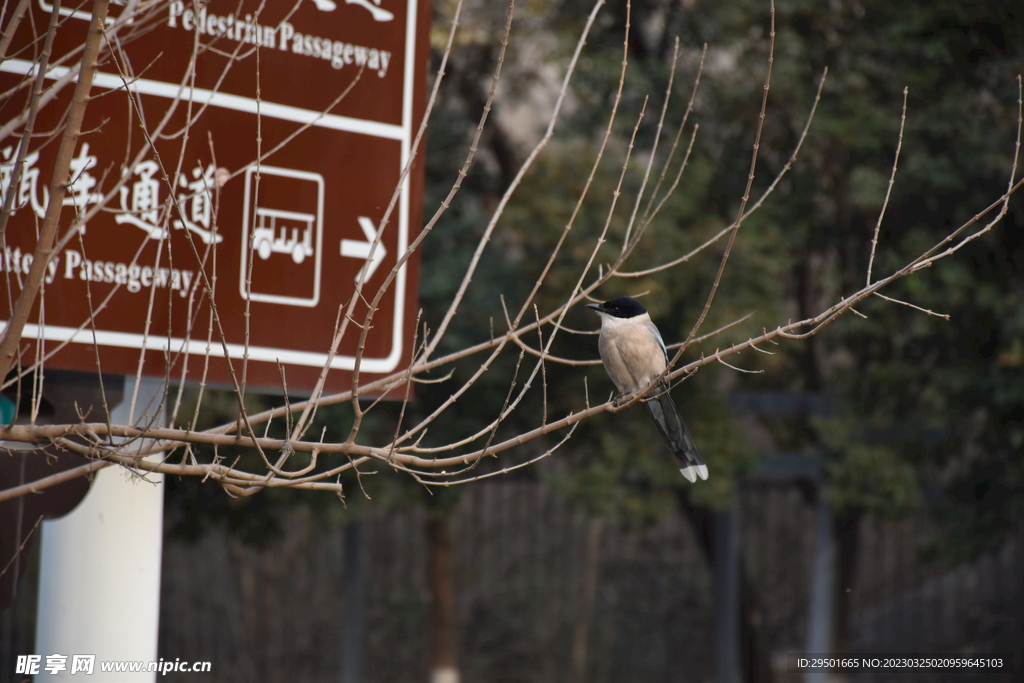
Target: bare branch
[(44, 246), (457, 458), (888, 189)]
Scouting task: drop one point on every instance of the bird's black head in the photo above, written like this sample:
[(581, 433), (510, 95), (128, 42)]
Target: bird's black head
[(620, 307)]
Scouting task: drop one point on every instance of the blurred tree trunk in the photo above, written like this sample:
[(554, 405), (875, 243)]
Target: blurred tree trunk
[(725, 553), (846, 531), (591, 560), (755, 664), (353, 637), (442, 600)]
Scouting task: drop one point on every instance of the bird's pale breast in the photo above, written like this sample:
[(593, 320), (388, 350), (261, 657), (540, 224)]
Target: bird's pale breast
[(631, 354)]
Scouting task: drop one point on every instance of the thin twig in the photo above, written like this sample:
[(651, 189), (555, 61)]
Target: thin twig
[(888, 189)]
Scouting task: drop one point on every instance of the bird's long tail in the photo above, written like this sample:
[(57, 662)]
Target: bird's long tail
[(675, 434)]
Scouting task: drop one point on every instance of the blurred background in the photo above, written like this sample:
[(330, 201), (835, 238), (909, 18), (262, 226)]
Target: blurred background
[(867, 484)]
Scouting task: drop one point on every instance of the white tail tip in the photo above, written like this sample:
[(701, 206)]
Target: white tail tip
[(691, 472)]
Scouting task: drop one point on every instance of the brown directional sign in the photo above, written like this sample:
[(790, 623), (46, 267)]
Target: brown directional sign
[(272, 166)]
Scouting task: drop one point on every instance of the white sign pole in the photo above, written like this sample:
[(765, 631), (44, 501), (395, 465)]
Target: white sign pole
[(99, 584)]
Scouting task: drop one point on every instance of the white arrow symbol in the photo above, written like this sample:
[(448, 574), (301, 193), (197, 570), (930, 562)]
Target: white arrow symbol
[(360, 249)]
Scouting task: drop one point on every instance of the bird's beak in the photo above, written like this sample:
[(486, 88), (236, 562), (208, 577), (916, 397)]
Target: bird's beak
[(596, 307)]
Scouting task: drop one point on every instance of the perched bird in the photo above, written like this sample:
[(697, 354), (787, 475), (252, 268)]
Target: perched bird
[(634, 354)]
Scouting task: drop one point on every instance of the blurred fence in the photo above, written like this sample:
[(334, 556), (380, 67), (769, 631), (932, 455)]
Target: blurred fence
[(277, 613), (974, 608)]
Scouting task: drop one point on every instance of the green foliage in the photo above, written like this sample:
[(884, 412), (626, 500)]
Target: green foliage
[(872, 478), (936, 396), (926, 403), (939, 402)]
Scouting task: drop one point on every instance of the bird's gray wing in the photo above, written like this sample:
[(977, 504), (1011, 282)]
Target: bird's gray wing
[(661, 342)]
